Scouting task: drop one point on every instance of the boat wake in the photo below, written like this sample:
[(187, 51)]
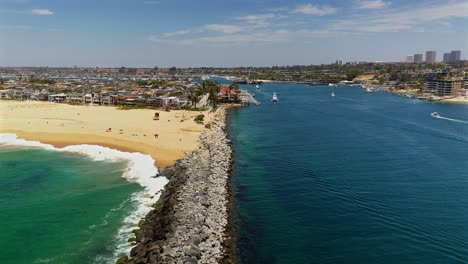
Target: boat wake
[(140, 169), (451, 119)]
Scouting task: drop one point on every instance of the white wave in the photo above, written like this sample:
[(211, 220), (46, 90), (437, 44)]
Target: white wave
[(140, 169)]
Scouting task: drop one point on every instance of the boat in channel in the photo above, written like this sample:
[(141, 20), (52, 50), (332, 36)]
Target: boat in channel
[(274, 99)]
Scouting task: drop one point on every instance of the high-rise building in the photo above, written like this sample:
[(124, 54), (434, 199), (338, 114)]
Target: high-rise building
[(455, 55), (447, 57), (430, 56), (418, 58), (409, 59)]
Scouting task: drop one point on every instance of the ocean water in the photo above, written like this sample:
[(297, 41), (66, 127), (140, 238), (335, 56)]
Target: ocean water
[(78, 204), (356, 178)]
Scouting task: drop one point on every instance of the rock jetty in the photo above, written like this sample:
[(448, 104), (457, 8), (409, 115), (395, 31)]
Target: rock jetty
[(190, 220)]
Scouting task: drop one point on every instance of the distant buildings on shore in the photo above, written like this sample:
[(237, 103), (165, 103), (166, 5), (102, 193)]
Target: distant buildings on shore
[(418, 58), (409, 59), (431, 57), (453, 56)]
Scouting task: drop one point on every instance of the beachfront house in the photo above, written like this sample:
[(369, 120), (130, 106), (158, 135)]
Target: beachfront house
[(19, 94), (75, 98), (170, 101), (130, 101), (228, 93), (91, 98), (107, 100), (183, 100), (154, 102), (463, 93), (442, 88), (7, 94), (61, 97)]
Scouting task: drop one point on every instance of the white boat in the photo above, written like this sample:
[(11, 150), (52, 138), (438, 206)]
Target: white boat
[(275, 98), (256, 86), (435, 115), (333, 94), (331, 84), (370, 90)]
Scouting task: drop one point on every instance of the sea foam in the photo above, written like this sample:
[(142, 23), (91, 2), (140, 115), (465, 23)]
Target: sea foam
[(140, 169)]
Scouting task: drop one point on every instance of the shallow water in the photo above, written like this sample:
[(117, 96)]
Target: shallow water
[(356, 178), (77, 204), (59, 207)]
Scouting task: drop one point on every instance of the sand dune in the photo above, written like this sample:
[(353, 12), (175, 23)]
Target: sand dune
[(130, 130)]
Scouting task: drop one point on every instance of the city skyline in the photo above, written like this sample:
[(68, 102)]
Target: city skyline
[(231, 33)]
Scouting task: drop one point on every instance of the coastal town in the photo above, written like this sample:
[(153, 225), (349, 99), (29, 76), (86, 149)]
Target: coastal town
[(178, 117), (189, 88)]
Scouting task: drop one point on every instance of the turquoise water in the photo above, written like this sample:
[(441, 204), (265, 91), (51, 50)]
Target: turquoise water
[(356, 178), (60, 207)]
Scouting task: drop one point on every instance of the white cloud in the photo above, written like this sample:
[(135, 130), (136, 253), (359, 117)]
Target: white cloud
[(315, 10), (55, 30), (372, 4), (278, 9), (260, 20), (414, 18), (19, 27), (154, 39), (227, 29), (271, 28), (42, 12), (175, 33), (239, 39), (254, 19)]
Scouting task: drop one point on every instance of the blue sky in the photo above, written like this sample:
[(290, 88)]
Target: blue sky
[(182, 33)]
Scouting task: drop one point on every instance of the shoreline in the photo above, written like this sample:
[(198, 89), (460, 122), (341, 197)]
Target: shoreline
[(230, 246), (192, 222), (59, 140)]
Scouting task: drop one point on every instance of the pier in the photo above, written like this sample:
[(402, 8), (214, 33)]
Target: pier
[(247, 98)]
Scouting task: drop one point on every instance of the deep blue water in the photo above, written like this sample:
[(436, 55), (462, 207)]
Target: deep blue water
[(358, 178)]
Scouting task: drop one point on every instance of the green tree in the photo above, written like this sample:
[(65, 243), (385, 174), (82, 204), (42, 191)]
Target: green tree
[(350, 75)]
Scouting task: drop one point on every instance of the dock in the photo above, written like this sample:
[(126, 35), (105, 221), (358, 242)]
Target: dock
[(247, 98)]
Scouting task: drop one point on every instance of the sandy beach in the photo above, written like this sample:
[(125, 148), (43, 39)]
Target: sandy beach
[(456, 100), (126, 130)]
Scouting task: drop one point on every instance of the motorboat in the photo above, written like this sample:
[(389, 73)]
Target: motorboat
[(275, 98), (370, 90), (333, 94), (435, 115)]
